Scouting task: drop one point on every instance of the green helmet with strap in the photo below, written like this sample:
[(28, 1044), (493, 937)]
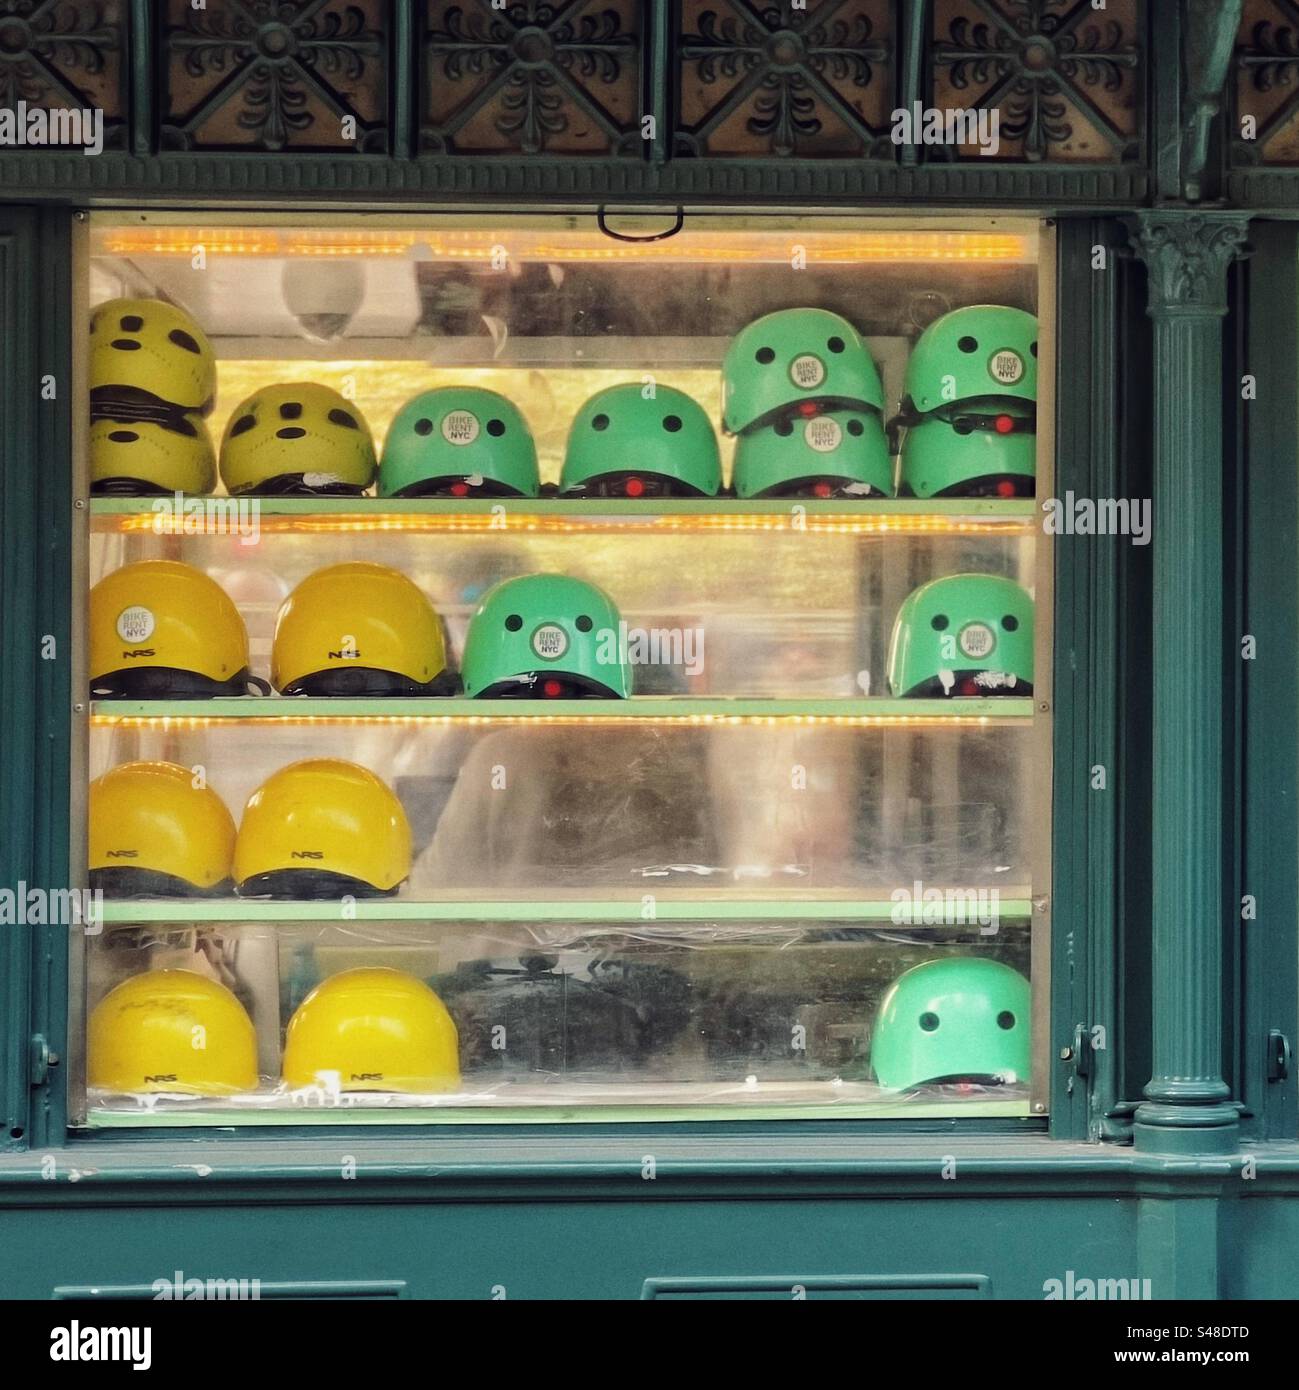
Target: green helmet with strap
[(459, 441), (961, 1018), (843, 453), (546, 636), (965, 634), (964, 453), (980, 351), (794, 356), (636, 440)]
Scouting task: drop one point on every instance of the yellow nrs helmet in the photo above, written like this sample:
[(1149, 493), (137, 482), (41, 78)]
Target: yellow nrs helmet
[(154, 832), (172, 1031), (359, 629), (297, 438), (148, 354), (323, 828), (141, 458), (372, 1029), (162, 630)]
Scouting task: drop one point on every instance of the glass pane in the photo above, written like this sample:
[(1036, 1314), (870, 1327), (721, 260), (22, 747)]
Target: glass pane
[(759, 833)]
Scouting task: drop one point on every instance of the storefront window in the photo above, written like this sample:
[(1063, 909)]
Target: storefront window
[(526, 681)]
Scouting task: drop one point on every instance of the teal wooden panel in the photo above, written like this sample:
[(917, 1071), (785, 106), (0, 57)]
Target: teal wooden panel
[(592, 1249), (35, 520)]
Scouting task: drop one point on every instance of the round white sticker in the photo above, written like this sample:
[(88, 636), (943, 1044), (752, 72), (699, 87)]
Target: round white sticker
[(822, 434), (460, 427), (977, 640), (807, 371), (1006, 367), (550, 641), (135, 624)]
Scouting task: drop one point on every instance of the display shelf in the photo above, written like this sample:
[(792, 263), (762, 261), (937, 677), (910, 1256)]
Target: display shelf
[(534, 1111), (726, 904), (1008, 711), (879, 516)]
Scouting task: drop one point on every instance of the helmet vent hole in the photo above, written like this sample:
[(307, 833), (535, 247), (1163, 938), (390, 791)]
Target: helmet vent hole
[(968, 344), (1006, 1020), (1032, 347), (496, 428), (785, 428), (123, 436), (938, 622), (765, 355), (242, 425), (963, 427), (855, 427), (132, 323), (342, 417), (584, 624), (672, 423), (1010, 623), (600, 422), (183, 340), (834, 344), (929, 1022), (423, 426), (291, 410), (513, 623)]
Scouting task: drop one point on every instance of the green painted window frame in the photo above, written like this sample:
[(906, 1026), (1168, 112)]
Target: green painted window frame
[(1263, 731), (1097, 852)]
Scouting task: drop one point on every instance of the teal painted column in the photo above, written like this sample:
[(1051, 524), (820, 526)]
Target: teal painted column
[(1187, 254)]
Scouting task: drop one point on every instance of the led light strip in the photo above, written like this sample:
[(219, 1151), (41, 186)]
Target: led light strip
[(184, 723), (699, 245), (835, 524)]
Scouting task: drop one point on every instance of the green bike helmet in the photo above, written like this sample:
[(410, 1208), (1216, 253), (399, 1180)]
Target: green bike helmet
[(967, 634), (971, 354), (962, 1018), (459, 441), (793, 359), (546, 637), (964, 453), (624, 445), (843, 453)]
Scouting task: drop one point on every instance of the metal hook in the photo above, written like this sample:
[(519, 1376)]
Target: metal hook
[(603, 224)]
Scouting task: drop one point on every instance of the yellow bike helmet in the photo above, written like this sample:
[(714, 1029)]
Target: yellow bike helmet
[(172, 1031), (359, 629), (149, 356), (139, 458), (372, 1030), (154, 833), (160, 630), (297, 439), (322, 829)]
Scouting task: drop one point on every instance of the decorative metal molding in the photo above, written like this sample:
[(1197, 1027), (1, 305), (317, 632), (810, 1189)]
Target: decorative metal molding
[(532, 78), (31, 178), (1066, 80), (60, 54), (1265, 124), (778, 80), (275, 75), (1187, 255)]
